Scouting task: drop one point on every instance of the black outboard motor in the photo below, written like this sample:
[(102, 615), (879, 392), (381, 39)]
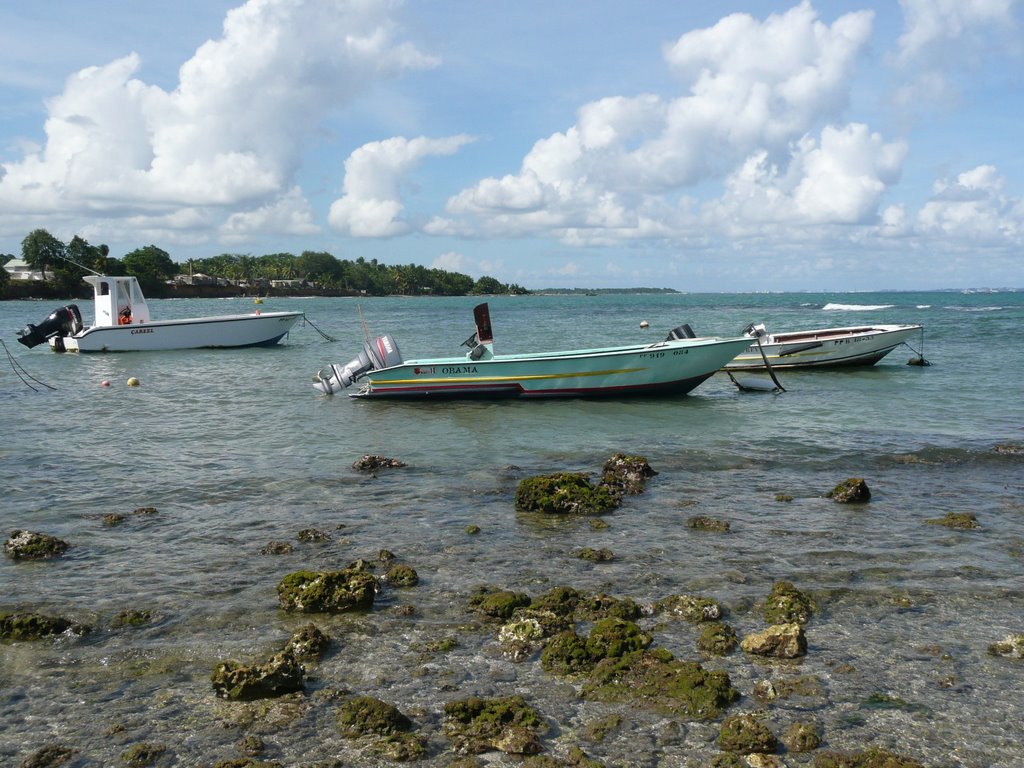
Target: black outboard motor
[(683, 331), (380, 353), (66, 321)]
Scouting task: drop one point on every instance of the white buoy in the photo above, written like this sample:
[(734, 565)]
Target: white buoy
[(644, 323), (133, 382), (104, 383)]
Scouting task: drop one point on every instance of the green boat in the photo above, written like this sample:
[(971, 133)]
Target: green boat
[(673, 366)]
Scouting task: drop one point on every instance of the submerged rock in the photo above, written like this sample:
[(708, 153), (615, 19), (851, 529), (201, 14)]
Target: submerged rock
[(509, 724), (35, 626), (717, 638), (626, 474), (402, 576), (497, 604), (786, 604), (133, 617), (853, 490), (49, 756), (746, 734), (327, 591), (602, 555), (565, 493), (870, 758), (962, 521), (311, 535), (373, 463), (709, 524), (801, 737), (277, 548), (783, 641), (143, 754), (29, 545), (278, 675)]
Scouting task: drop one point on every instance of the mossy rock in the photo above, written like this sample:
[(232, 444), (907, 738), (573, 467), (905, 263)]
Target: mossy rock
[(312, 535), (707, 524), (656, 680), (49, 756), (602, 555), (247, 762), (400, 747), (601, 606), (528, 630), (853, 490), (278, 675), (472, 529), (961, 521), (786, 604), (870, 758), (309, 643), (561, 601), (564, 493), (717, 638), (402, 576), (781, 641), (746, 735), (132, 617), (508, 724), (373, 463), (1011, 647), (692, 608), (29, 545), (366, 715), (801, 737), (36, 626), (143, 754), (277, 548), (327, 591), (614, 638), (626, 474), (566, 655), (497, 603)]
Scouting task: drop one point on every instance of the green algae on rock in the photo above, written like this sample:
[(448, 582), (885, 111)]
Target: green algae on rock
[(365, 715), (707, 524), (602, 606), (309, 643), (853, 490), (869, 758), (327, 591), (801, 737), (133, 617), (746, 734), (143, 754), (1011, 647), (656, 680), (371, 463), (508, 724), (49, 756), (36, 626), (278, 675), (29, 545), (602, 555), (402, 576), (961, 521), (786, 604), (717, 638), (564, 493), (494, 603)]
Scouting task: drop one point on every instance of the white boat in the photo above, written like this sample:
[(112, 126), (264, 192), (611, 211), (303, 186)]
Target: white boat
[(822, 348), (122, 323), (673, 366)]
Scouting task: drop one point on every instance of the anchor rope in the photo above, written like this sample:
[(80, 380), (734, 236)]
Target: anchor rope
[(22, 374)]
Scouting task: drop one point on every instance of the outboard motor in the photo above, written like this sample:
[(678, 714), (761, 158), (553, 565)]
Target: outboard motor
[(380, 353), (683, 331), (66, 321)]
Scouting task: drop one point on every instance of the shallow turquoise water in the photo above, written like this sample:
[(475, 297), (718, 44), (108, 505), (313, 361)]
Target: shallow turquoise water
[(235, 449)]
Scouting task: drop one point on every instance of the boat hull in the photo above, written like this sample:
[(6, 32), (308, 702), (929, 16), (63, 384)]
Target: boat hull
[(825, 348), (670, 367), (256, 330)]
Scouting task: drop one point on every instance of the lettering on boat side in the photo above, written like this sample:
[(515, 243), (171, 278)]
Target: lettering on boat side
[(680, 351), (459, 369), (421, 371), (652, 354), (141, 330)]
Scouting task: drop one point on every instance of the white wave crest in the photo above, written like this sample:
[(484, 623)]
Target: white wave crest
[(856, 307)]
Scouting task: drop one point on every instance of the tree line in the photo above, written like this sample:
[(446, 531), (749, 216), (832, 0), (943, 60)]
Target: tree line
[(64, 265)]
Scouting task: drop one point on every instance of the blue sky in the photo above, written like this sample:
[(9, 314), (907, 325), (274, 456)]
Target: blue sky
[(702, 146)]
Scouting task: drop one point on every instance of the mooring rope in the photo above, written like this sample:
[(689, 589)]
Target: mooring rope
[(22, 374), (325, 336)]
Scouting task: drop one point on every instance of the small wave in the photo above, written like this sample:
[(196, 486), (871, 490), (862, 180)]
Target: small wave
[(857, 307), (923, 306), (975, 309)]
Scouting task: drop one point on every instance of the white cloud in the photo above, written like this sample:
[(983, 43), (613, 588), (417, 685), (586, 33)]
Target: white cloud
[(372, 203), (229, 134), (289, 214), (944, 38), (451, 261), (975, 207), (754, 87)]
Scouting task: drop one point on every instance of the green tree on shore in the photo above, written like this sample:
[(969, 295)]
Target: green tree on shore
[(40, 249), (153, 268)]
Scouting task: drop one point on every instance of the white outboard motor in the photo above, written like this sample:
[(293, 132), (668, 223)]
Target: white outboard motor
[(376, 355), (66, 321)]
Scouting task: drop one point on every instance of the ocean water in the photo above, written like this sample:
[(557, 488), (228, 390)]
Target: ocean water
[(235, 449)]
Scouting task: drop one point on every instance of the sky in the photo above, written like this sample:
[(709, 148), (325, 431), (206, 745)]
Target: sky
[(699, 145)]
